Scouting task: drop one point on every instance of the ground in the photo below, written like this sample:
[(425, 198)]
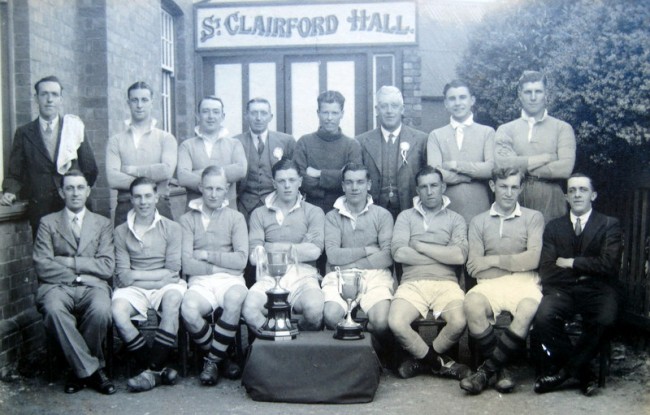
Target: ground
[(626, 393)]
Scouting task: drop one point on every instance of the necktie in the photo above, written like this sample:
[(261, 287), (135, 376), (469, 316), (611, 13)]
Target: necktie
[(391, 138), (48, 139), (460, 134), (260, 145), (578, 227), (76, 229)]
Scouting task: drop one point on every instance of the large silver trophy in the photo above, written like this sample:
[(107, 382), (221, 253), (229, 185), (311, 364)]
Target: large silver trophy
[(350, 289), (278, 321)]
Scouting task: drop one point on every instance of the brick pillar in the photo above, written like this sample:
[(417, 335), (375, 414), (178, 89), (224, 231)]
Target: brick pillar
[(411, 81)]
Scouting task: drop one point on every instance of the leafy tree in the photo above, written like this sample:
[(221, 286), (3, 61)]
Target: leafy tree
[(596, 54)]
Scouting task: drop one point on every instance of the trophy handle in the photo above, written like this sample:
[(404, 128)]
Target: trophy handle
[(362, 286), (262, 266), (293, 258)]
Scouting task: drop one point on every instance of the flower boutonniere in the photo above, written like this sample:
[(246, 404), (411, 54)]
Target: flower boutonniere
[(403, 150), (278, 153)]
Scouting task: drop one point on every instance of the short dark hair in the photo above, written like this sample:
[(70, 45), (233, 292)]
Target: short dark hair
[(331, 97), (504, 172), (355, 167), (284, 164), (257, 100), (139, 181), (213, 171), (456, 83), (531, 76), (139, 85), (426, 170), (210, 98), (50, 78), (73, 173), (579, 174)]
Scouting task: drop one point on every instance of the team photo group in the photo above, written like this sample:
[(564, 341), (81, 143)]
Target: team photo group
[(459, 225)]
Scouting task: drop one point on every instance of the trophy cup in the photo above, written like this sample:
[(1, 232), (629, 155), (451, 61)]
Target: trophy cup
[(350, 288), (278, 321)]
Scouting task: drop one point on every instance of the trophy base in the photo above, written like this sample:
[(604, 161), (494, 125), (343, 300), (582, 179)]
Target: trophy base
[(278, 336), (278, 326), (344, 332)]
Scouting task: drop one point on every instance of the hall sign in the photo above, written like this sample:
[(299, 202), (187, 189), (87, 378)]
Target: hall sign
[(320, 24)]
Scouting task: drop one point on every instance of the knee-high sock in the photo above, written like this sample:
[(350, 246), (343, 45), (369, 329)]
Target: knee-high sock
[(139, 350), (507, 345), (487, 341), (223, 335), (162, 345), (203, 337)]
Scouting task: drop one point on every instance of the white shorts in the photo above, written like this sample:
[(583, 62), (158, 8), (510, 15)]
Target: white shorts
[(505, 293), (432, 295), (213, 288), (295, 282), (142, 300), (378, 285)]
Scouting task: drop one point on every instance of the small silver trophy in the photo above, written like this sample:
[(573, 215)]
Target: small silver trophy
[(350, 288)]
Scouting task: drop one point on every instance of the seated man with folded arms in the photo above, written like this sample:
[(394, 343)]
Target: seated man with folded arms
[(285, 223), (73, 259), (357, 236), (505, 244), (148, 261), (579, 269), (214, 252), (431, 243)]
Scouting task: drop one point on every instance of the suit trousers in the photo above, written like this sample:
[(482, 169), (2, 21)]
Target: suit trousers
[(596, 301), (78, 317)]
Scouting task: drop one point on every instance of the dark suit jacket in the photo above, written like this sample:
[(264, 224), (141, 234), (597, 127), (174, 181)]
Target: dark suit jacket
[(32, 175), (274, 140), (416, 159), (598, 257), (93, 257)]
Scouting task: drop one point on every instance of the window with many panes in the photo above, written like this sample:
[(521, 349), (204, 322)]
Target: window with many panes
[(167, 94)]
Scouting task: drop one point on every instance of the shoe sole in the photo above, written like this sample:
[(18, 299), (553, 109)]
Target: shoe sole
[(471, 391)]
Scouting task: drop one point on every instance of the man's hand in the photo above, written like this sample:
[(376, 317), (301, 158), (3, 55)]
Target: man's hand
[(312, 172), (417, 245), (372, 250), (489, 261), (172, 279), (200, 255), (125, 279), (66, 261), (7, 199), (564, 262)]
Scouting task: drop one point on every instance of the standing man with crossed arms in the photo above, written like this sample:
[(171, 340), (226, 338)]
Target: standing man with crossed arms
[(141, 151), (542, 146)]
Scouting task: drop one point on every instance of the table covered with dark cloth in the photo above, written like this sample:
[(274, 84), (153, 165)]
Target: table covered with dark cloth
[(313, 368)]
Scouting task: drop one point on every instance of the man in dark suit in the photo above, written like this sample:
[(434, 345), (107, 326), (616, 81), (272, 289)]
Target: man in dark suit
[(263, 149), (42, 151), (73, 259), (394, 153), (578, 267)]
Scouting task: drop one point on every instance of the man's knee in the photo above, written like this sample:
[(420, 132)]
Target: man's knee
[(526, 309), (332, 314), (171, 302), (253, 305), (121, 312), (235, 298), (190, 309)]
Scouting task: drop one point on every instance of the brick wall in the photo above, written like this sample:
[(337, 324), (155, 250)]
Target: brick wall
[(411, 80), (21, 328)]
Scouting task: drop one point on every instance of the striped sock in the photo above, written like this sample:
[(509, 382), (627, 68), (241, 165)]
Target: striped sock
[(224, 333), (163, 344), (138, 348), (203, 337), (486, 341), (507, 346)]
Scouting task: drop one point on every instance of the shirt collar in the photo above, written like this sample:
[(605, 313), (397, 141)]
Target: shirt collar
[(342, 207), (129, 124), (455, 124), (583, 218), (70, 215), (532, 120), (130, 220), (223, 132), (197, 204), (417, 204), (385, 133), (269, 202), (264, 134), (54, 123), (516, 212)]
